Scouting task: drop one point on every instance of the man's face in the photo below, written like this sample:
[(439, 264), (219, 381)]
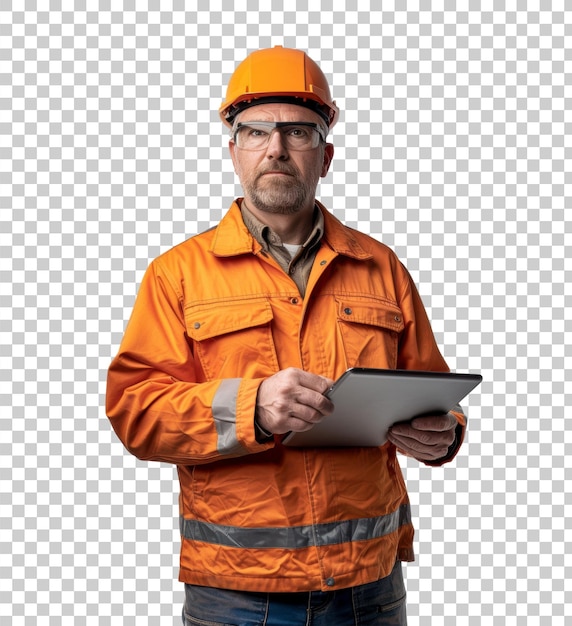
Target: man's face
[(276, 179)]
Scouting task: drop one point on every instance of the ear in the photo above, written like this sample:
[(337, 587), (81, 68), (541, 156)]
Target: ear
[(231, 149), (328, 156)]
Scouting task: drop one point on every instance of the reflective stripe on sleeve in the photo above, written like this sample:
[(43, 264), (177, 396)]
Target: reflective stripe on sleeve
[(224, 414), (332, 533)]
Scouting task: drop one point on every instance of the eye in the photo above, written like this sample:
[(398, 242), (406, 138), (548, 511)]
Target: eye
[(298, 132), (256, 132)]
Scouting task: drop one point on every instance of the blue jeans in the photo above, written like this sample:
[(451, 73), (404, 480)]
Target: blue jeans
[(381, 603)]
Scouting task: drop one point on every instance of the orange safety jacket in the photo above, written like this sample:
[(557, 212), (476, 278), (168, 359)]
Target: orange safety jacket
[(214, 317)]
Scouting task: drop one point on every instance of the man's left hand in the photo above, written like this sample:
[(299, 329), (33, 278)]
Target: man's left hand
[(425, 438)]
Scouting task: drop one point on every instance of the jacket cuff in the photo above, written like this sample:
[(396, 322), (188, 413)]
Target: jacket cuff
[(248, 430)]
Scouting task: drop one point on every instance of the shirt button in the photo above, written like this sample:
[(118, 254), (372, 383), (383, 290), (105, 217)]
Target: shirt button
[(294, 300), (330, 582), (197, 325), (323, 262)]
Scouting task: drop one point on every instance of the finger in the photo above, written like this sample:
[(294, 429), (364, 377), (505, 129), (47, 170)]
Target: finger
[(311, 413), (437, 423), (301, 422), (428, 438), (432, 438), (317, 383), (417, 449), (314, 401)]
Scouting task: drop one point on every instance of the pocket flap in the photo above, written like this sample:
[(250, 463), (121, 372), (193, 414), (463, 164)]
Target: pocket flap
[(372, 312), (207, 321)]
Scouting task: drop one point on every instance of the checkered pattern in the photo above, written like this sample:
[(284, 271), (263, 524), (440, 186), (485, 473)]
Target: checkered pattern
[(454, 147)]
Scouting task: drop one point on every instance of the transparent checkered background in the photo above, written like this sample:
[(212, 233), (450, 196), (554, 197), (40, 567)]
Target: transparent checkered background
[(454, 147)]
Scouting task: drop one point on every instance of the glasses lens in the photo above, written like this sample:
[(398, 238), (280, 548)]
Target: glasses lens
[(296, 136)]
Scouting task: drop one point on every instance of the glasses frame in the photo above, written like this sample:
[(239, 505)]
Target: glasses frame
[(272, 126)]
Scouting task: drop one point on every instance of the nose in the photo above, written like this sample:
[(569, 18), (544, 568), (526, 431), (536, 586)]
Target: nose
[(276, 148)]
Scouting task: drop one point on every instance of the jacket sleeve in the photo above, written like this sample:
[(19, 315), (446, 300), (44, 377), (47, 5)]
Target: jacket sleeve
[(418, 351), (156, 406)]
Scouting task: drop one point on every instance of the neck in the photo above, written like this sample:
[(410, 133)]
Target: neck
[(292, 228)]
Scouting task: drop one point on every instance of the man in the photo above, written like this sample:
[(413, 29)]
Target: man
[(234, 338)]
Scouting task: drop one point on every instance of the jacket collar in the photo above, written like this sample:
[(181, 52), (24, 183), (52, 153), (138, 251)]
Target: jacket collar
[(231, 236), (341, 238)]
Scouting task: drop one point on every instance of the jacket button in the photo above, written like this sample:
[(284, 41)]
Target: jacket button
[(294, 300), (330, 582), (397, 318), (323, 262), (348, 311), (197, 325)]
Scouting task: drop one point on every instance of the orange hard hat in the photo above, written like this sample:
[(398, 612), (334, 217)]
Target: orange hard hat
[(278, 75)]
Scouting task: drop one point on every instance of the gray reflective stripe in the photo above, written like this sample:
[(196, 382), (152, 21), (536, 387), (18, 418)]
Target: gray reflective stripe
[(298, 536), (224, 414)]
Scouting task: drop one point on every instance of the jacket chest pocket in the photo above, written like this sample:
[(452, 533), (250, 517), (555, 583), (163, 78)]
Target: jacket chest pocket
[(370, 331), (233, 339)]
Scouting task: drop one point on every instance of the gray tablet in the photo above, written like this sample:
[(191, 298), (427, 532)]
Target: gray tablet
[(368, 401)]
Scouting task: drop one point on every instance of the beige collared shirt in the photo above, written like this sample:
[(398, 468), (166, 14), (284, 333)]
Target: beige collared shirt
[(297, 267)]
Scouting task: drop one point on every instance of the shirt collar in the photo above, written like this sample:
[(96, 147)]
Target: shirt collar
[(232, 237), (266, 237)]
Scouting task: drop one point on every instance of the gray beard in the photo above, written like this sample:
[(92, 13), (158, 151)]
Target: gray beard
[(281, 199)]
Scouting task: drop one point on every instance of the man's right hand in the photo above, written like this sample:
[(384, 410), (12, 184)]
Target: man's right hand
[(292, 401)]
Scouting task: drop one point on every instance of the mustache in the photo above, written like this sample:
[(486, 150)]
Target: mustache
[(279, 167)]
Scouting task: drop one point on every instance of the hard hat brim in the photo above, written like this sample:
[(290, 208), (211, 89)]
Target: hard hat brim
[(229, 114)]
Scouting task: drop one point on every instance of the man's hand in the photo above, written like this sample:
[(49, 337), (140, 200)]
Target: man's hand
[(292, 400), (426, 438)]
